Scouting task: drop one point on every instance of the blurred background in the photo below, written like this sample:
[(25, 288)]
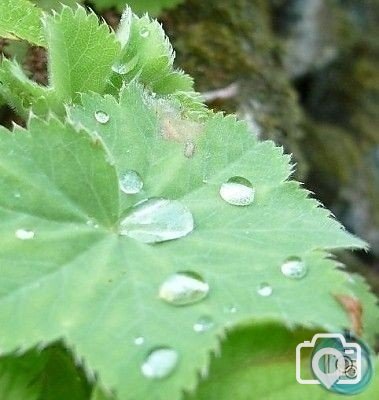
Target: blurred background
[(304, 73)]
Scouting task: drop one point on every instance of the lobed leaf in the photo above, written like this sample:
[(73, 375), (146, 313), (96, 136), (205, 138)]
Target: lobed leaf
[(98, 290), (147, 55), (81, 53)]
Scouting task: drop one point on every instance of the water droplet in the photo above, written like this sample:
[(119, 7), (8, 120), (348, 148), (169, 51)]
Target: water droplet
[(120, 69), (189, 149), (160, 363), (144, 32), (92, 223), (294, 268), (203, 324), (183, 288), (157, 220), (131, 182), (24, 234), (237, 191), (101, 117), (139, 340), (264, 289), (17, 195), (230, 309)]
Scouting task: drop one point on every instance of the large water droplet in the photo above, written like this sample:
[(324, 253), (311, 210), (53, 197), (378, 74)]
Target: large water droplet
[(120, 68), (264, 289), (24, 234), (294, 268), (101, 117), (183, 288), (203, 324), (131, 182), (160, 363), (157, 220), (144, 32), (237, 191)]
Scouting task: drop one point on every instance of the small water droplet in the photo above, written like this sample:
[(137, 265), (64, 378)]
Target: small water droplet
[(183, 288), (120, 68), (294, 268), (203, 324), (139, 340), (230, 309), (131, 182), (264, 289), (160, 363), (157, 220), (24, 234), (237, 191), (92, 223), (144, 32), (17, 195), (101, 117), (189, 149)]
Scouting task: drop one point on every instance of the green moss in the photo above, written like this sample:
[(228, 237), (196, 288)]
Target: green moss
[(220, 43)]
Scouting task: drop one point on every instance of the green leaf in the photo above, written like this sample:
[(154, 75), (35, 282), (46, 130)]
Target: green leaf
[(20, 19), (147, 55), (259, 363), (81, 56), (49, 374), (81, 53), (75, 42), (21, 93), (55, 4), (83, 282)]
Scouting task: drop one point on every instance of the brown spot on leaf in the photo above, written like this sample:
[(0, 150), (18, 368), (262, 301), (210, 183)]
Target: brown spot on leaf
[(353, 308)]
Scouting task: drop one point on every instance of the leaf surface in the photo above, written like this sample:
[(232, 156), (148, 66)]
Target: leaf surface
[(20, 19)]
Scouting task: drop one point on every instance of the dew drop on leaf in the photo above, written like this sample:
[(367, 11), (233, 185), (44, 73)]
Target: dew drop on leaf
[(160, 363), (230, 309), (24, 234), (101, 117), (92, 223), (157, 220), (120, 69), (144, 32), (183, 288), (139, 340), (203, 324), (294, 268), (237, 191), (264, 289), (131, 182)]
